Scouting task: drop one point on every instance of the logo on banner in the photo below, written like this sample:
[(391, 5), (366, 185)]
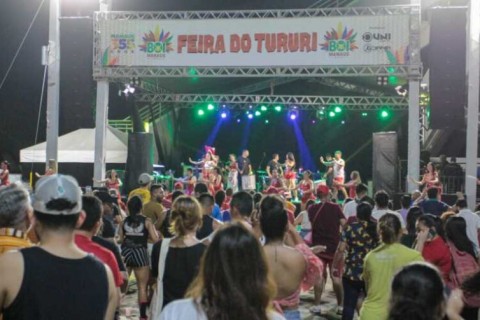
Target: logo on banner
[(376, 36), (339, 42), (122, 43), (156, 44)]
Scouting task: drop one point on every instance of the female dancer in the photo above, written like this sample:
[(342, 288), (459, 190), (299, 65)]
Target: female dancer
[(355, 180), (430, 179), (134, 232), (215, 182), (290, 175), (208, 163), (4, 175), (112, 181), (306, 187), (233, 173)]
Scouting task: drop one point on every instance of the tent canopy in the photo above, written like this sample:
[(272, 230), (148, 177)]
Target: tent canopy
[(79, 146)]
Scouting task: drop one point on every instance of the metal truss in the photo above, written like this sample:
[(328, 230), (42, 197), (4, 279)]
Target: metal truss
[(347, 86), (249, 72), (301, 102)]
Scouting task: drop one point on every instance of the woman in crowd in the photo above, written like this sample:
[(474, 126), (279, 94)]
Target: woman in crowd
[(134, 233), (307, 188), (303, 220), (4, 173), (293, 268), (380, 266), (432, 246), (355, 180), (180, 255), (359, 237), (418, 294), (464, 259), (290, 175), (412, 215), (233, 282), (233, 173), (112, 181)]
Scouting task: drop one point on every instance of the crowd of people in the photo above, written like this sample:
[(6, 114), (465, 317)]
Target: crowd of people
[(202, 252)]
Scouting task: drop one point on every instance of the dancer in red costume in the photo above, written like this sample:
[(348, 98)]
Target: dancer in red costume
[(307, 188), (290, 175), (233, 173), (216, 181), (430, 179), (208, 163), (5, 173), (355, 180)]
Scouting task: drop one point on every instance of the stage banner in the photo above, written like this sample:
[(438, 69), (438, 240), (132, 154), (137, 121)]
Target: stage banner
[(325, 41)]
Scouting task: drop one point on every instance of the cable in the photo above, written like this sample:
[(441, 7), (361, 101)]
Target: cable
[(21, 45), (39, 110)]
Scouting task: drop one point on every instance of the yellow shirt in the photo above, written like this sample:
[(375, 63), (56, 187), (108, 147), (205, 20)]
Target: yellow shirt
[(143, 193), (153, 210), (380, 266), (8, 243)]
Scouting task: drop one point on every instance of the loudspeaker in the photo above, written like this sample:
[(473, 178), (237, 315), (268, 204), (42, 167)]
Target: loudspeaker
[(447, 56), (139, 158), (385, 162)]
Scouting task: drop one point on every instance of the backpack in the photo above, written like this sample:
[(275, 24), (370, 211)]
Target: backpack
[(463, 266)]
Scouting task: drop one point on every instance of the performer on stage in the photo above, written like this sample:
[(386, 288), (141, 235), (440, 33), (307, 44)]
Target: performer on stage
[(338, 174), (355, 180), (244, 166), (208, 162), (4, 176), (189, 182), (430, 179), (274, 165), (307, 188), (112, 181), (290, 175), (233, 173), (216, 181), (328, 175)]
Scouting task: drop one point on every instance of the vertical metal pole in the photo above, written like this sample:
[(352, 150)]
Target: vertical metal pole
[(473, 76), (414, 97), (53, 90), (101, 118)]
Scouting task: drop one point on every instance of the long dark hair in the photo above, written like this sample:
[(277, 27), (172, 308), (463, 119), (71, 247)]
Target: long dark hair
[(431, 221), (364, 213), (417, 293), (273, 218), (412, 216), (389, 228), (290, 156), (135, 207), (233, 282), (456, 232)]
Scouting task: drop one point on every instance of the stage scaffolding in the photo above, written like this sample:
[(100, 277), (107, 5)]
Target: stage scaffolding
[(163, 101)]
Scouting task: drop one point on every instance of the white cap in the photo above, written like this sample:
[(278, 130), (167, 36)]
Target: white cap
[(144, 178), (55, 187)]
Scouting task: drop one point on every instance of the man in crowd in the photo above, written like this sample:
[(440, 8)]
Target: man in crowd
[(92, 207), (241, 208), (472, 220), (143, 191), (109, 220), (207, 202), (432, 205), (84, 289), (154, 208), (326, 219), (350, 208), (16, 214), (381, 207)]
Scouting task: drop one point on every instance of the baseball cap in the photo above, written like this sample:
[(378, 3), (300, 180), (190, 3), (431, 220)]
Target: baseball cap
[(144, 178), (178, 185), (55, 187), (322, 189), (105, 197)]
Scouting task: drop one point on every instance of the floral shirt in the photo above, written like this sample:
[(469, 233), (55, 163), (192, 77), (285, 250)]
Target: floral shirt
[(359, 243)]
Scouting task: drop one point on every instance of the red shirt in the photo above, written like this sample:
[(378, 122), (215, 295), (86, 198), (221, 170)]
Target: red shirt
[(326, 227), (86, 244), (437, 253)]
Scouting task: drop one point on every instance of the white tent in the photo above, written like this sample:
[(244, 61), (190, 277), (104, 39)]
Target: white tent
[(78, 147)]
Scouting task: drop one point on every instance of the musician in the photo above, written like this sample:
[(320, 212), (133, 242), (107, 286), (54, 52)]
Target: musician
[(338, 174), (307, 188), (290, 175), (233, 173), (208, 163), (274, 165), (244, 166)]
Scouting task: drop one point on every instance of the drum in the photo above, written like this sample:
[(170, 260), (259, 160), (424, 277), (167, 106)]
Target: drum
[(248, 182)]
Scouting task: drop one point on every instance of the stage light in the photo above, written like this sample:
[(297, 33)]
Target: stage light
[(364, 114), (210, 107), (338, 109), (128, 90), (223, 115), (393, 80), (263, 108), (258, 113), (278, 108), (343, 122), (293, 114), (201, 112), (332, 114), (384, 114), (267, 121), (313, 121), (238, 120), (249, 115)]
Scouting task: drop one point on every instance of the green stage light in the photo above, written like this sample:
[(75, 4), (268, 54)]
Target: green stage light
[(266, 121), (332, 114), (391, 70), (263, 108), (384, 114), (201, 112), (210, 107), (278, 108), (257, 113), (364, 114), (393, 80)]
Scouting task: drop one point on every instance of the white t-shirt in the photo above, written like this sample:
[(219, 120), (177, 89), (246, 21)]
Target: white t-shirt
[(306, 224), (339, 168), (473, 224), (377, 214), (350, 209), (186, 309)]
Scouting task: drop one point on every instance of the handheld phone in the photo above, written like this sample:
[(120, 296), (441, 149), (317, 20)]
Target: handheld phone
[(88, 189)]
